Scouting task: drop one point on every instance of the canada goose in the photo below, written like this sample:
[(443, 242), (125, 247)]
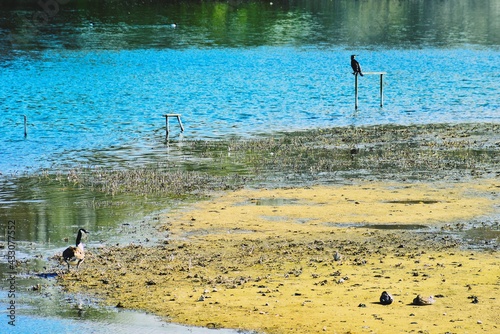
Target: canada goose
[(355, 66), (74, 255)]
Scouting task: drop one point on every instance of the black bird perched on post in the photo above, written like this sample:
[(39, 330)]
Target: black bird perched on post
[(355, 66), (75, 255)]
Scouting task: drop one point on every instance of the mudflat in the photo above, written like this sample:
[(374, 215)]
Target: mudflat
[(316, 256)]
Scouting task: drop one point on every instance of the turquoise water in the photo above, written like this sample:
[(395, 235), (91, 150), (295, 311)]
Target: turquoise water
[(78, 102), (97, 79)]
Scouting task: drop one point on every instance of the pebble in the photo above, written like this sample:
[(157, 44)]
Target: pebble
[(422, 301), (386, 298)]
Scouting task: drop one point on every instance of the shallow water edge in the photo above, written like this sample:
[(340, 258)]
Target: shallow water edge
[(347, 155)]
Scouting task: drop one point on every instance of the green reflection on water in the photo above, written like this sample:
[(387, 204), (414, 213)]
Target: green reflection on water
[(49, 213), (235, 23)]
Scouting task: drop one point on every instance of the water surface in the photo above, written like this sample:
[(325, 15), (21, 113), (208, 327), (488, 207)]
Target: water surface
[(97, 78)]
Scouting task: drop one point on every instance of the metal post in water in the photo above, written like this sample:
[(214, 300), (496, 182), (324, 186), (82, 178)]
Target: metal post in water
[(167, 127), (180, 123), (167, 123), (25, 126), (356, 91), (381, 89)]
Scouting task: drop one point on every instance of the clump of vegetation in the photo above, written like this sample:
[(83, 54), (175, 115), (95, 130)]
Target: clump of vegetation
[(388, 151), (420, 152), (148, 180)]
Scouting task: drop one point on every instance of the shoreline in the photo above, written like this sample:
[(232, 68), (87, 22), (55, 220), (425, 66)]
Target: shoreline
[(273, 270), (262, 258)]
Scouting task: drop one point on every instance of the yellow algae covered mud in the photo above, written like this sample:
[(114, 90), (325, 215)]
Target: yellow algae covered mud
[(309, 260)]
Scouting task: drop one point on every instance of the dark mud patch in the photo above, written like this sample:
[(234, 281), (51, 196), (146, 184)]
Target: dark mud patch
[(413, 202)]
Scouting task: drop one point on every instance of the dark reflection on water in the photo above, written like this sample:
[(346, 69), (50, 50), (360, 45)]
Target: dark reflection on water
[(234, 23)]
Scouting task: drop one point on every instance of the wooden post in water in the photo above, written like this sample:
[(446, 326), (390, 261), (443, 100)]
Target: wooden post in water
[(25, 126), (381, 87)]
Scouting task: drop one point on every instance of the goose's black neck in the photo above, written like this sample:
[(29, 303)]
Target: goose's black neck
[(79, 236)]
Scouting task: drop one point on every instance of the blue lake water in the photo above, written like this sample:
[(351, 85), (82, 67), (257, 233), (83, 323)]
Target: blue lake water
[(92, 81), (81, 101)]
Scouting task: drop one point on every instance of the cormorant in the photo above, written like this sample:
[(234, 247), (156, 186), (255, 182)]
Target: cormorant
[(75, 255), (355, 66)]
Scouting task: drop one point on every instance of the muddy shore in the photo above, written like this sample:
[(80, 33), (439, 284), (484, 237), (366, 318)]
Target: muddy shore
[(386, 200)]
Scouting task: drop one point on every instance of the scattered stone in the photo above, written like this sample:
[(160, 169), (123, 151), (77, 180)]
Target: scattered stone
[(362, 305), (386, 298), (423, 301)]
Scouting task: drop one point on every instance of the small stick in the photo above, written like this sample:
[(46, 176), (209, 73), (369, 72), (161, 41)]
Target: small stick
[(25, 126)]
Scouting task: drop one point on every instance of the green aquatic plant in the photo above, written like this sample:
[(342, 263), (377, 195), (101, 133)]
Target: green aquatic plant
[(420, 152)]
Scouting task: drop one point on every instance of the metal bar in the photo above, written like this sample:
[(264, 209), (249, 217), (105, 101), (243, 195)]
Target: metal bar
[(180, 123), (25, 126), (167, 124), (381, 89), (167, 130), (356, 91)]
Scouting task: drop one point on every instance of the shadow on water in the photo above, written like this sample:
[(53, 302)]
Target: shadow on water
[(48, 212)]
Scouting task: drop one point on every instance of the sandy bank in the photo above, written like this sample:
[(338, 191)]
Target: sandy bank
[(264, 260)]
